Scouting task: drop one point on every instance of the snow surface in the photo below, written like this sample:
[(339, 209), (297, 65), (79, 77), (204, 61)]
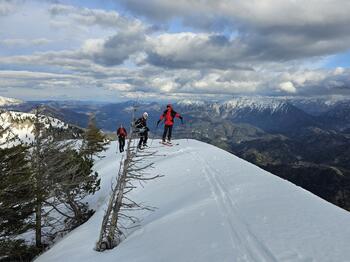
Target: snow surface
[(5, 101), (255, 103), (189, 102), (259, 103), (21, 125), (213, 206)]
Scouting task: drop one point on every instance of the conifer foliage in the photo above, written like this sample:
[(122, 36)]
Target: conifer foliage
[(62, 177), (16, 200), (42, 188), (94, 140)]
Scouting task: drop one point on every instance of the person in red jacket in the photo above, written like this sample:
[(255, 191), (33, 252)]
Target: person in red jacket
[(122, 134), (169, 115)]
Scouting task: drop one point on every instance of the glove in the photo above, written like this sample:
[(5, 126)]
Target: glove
[(158, 122), (182, 120), (143, 129)]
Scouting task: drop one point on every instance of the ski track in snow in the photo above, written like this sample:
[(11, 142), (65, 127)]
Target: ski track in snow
[(242, 239), (214, 207)]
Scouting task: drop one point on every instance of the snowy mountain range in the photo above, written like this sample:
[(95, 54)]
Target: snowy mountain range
[(273, 114), (312, 105), (235, 104), (212, 206), (259, 104)]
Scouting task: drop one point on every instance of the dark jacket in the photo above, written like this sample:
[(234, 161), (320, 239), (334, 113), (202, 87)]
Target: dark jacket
[(141, 123)]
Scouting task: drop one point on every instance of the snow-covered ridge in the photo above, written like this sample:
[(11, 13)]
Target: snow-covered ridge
[(258, 103), (254, 103), (5, 101), (212, 206), (189, 102), (22, 125), (263, 103)]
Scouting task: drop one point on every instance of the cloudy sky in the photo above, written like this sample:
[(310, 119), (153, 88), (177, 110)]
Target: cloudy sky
[(121, 49)]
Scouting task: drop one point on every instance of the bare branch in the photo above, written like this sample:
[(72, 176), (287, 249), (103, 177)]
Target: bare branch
[(132, 170)]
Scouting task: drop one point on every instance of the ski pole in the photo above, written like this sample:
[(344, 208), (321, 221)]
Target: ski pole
[(186, 132), (155, 133)]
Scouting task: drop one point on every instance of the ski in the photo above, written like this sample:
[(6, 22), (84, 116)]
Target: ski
[(165, 144), (168, 144)]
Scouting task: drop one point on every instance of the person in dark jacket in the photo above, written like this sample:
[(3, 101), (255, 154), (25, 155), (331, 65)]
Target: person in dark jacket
[(141, 126), (122, 134), (169, 115)]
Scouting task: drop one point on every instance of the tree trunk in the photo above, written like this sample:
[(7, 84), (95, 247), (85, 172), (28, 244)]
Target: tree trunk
[(77, 212), (38, 217), (38, 181)]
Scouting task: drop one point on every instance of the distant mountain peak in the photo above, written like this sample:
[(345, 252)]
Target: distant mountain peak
[(255, 103), (190, 102), (5, 101)]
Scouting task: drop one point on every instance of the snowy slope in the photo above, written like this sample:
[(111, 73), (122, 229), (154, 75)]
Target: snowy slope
[(213, 206), (21, 125), (5, 101)]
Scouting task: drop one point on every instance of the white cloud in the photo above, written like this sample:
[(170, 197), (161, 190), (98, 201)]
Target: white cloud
[(93, 46), (116, 49), (253, 47), (90, 17), (261, 13), (267, 30), (196, 50), (123, 87), (18, 42), (339, 71), (288, 87), (164, 85), (8, 6)]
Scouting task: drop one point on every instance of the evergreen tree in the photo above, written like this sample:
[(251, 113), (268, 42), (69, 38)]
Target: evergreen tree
[(74, 180), (94, 140), (42, 187), (40, 182), (16, 204), (16, 250), (16, 201), (62, 177)]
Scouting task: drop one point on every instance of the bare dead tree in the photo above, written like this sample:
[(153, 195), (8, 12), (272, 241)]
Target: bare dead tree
[(132, 170)]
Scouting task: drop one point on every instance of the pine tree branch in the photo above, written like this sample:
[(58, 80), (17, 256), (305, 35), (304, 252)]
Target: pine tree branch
[(56, 209)]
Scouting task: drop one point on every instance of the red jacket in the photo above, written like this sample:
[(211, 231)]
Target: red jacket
[(121, 132), (169, 116)]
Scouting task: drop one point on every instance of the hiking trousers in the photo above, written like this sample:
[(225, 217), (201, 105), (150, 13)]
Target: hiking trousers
[(168, 129)]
